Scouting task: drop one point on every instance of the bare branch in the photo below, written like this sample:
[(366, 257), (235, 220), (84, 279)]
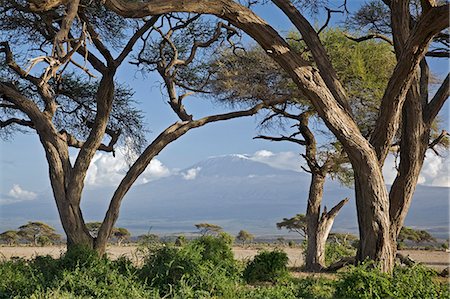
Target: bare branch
[(438, 100), (96, 40), (17, 121), (74, 142), (281, 138), (138, 34), (333, 212), (370, 36), (438, 140), (329, 13)]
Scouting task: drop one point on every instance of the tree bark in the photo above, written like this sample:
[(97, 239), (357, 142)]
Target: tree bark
[(315, 252)]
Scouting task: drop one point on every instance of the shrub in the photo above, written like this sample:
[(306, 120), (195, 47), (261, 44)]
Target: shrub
[(272, 292), (79, 256), (364, 281), (267, 266), (418, 282), (315, 288), (205, 264), (336, 251)]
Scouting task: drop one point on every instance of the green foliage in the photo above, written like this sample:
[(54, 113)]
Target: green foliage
[(417, 236), (78, 274), (339, 246), (192, 272), (38, 233), (366, 281), (244, 236), (208, 228), (267, 266), (205, 264), (273, 292), (295, 224), (418, 282), (9, 236), (315, 288)]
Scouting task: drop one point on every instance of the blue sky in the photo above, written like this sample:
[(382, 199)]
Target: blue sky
[(22, 160)]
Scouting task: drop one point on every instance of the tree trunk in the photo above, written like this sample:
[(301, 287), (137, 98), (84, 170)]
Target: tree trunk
[(373, 219), (315, 260), (315, 255), (414, 141)]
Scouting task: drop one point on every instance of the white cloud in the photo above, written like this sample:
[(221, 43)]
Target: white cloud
[(281, 160), (191, 174), (435, 171), (106, 170), (18, 193)]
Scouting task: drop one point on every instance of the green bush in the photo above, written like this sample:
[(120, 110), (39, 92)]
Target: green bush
[(17, 277), (272, 292), (267, 266), (364, 281), (335, 252), (418, 282), (79, 256), (205, 264), (315, 288)]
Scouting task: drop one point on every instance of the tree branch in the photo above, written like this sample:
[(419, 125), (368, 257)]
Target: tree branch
[(75, 143), (436, 103), (333, 212), (129, 46), (17, 121), (281, 138), (311, 38), (428, 25), (438, 140), (96, 40), (370, 36)]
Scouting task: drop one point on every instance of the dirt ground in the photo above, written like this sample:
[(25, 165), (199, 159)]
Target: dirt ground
[(434, 259)]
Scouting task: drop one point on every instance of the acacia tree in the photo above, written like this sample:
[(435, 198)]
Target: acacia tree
[(38, 232), (248, 77), (208, 228), (417, 132), (320, 85), (121, 234), (10, 237), (66, 112), (244, 236)]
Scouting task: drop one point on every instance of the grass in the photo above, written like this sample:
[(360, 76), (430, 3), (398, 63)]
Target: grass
[(204, 268)]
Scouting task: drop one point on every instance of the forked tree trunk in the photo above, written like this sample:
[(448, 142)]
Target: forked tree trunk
[(315, 259), (318, 234)]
